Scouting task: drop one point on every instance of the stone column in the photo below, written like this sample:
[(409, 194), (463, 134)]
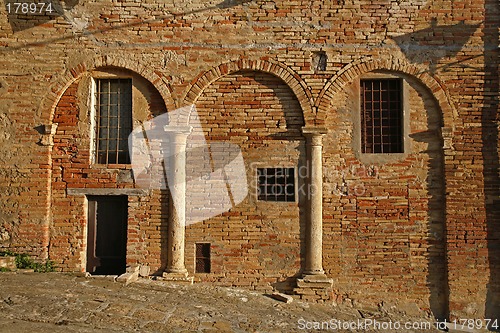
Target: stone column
[(175, 169), (314, 238), (314, 284)]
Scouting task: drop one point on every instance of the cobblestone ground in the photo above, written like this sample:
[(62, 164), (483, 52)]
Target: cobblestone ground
[(55, 302)]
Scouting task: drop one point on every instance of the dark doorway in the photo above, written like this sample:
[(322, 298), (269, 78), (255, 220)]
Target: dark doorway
[(107, 235)]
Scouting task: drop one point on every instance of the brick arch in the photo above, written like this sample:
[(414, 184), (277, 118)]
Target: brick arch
[(353, 70), (62, 82), (287, 75)]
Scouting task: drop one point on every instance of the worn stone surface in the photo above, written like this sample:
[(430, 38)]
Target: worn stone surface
[(57, 302)]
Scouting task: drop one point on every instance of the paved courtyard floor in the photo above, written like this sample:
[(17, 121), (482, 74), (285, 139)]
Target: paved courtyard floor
[(56, 302)]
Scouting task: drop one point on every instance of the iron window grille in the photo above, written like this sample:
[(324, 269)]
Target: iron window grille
[(202, 258), (381, 116), (114, 120), (276, 184)]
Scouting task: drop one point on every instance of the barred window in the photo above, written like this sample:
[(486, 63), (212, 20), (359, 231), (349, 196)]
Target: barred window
[(381, 116), (202, 258), (114, 120), (276, 184)]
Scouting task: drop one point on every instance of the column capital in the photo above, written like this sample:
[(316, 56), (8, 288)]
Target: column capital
[(314, 135), (314, 131), (177, 129)]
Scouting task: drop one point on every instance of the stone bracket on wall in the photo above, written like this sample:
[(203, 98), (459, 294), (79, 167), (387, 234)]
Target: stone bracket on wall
[(48, 131)]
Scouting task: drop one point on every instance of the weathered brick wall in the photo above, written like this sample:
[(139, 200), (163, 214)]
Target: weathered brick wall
[(384, 221), (257, 244), (72, 169), (447, 50)]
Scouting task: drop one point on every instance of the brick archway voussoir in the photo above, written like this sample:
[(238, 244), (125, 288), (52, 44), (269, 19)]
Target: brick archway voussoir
[(288, 76), (356, 69), (61, 83)]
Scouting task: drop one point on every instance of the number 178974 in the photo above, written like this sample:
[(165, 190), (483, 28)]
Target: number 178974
[(29, 8)]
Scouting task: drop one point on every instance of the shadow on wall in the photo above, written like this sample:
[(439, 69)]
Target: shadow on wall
[(27, 14), (293, 131), (165, 210), (33, 13), (287, 285), (490, 139), (437, 277), (425, 44)]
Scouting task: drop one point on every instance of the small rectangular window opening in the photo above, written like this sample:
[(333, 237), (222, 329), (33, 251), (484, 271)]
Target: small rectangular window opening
[(381, 116), (319, 61), (276, 184), (114, 120), (202, 258)]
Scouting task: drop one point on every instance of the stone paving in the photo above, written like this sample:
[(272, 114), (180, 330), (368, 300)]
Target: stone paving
[(55, 302)]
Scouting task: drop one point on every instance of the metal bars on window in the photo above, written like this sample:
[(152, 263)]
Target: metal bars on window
[(114, 120), (381, 116), (276, 184)]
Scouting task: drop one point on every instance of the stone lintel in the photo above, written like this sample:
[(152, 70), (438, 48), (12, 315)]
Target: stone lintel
[(107, 191)]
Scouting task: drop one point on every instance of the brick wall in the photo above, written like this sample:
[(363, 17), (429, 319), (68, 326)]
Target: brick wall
[(384, 221), (72, 169), (257, 244), (389, 241)]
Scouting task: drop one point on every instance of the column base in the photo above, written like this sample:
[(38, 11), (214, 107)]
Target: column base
[(313, 272), (314, 287), (180, 278)]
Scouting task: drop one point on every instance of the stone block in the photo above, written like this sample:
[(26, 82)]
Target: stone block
[(144, 271), (128, 278), (8, 263), (282, 297)]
